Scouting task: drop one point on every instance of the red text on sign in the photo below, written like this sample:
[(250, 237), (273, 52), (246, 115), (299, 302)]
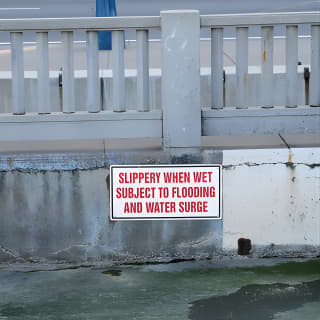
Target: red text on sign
[(139, 177), (202, 177), (160, 207), (138, 193), (193, 206)]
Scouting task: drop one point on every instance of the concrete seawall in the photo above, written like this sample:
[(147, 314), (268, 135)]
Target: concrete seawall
[(54, 204)]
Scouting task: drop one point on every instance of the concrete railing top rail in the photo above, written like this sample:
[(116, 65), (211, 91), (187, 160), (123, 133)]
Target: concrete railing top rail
[(260, 19), (69, 24), (154, 22)]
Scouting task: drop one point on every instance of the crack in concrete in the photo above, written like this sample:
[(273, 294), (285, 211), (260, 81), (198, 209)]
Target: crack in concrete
[(284, 141), (72, 267), (195, 243), (287, 164), (75, 246), (14, 255), (208, 239)]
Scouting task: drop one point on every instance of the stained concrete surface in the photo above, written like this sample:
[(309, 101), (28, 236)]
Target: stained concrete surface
[(57, 215), (237, 289), (55, 206)]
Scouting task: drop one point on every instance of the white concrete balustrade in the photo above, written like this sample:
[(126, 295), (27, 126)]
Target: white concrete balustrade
[(267, 21), (180, 120)]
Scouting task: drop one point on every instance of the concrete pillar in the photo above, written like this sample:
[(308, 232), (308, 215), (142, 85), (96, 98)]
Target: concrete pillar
[(181, 78), (267, 67), (17, 66), (242, 67), (68, 98), (143, 101), (315, 67), (118, 76), (94, 88), (217, 68), (292, 65)]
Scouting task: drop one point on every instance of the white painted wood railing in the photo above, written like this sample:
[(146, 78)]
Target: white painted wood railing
[(267, 21)]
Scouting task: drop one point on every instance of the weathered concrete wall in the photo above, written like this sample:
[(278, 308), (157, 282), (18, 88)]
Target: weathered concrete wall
[(272, 198), (64, 215), (55, 206)]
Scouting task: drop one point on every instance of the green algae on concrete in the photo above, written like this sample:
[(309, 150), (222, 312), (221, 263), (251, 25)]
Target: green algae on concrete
[(165, 291), (263, 301), (112, 272)]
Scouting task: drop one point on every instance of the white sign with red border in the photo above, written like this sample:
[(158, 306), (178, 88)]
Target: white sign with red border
[(165, 192)]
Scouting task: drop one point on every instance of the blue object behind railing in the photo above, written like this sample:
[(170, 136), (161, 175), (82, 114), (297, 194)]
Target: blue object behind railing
[(105, 8)]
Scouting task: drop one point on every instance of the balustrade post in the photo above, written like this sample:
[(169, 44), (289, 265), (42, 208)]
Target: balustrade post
[(292, 65), (181, 78), (315, 67), (17, 63)]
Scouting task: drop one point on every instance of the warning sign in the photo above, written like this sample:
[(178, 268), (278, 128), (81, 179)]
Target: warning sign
[(165, 192)]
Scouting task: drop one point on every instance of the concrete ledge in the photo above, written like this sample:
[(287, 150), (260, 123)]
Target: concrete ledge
[(88, 154), (255, 120), (243, 142), (82, 116), (83, 125), (216, 142)]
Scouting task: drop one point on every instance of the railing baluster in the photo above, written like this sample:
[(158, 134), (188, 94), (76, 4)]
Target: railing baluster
[(94, 90), (142, 70), (68, 72), (17, 72), (118, 78), (315, 67), (217, 68), (242, 67), (267, 67), (43, 73), (291, 65)]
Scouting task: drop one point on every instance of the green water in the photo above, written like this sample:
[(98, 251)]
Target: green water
[(175, 291)]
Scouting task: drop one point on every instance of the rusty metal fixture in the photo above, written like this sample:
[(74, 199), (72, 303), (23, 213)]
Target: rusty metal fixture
[(306, 75), (244, 246)]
